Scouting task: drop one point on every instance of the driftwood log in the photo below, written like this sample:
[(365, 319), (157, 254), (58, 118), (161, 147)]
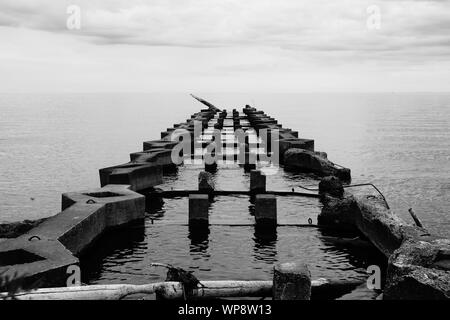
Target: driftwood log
[(173, 290)]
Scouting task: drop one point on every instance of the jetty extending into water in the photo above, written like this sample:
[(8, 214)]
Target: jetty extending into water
[(418, 262)]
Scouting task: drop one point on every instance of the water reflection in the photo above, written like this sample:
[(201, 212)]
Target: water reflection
[(199, 236), (126, 243), (359, 253), (265, 243)]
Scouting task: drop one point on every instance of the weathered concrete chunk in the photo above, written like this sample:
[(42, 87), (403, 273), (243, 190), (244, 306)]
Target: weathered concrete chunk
[(304, 160), (291, 281), (419, 263), (286, 144), (257, 181), (414, 272), (383, 227), (331, 185), (338, 212)]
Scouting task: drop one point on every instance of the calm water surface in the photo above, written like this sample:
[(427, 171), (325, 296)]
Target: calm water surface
[(50, 144)]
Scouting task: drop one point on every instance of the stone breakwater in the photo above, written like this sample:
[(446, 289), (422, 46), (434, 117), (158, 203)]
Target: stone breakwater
[(418, 262)]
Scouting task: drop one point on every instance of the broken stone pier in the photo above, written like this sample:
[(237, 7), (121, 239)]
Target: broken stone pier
[(419, 263)]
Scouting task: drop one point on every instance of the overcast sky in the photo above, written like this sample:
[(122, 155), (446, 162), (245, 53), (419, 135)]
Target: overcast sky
[(225, 46)]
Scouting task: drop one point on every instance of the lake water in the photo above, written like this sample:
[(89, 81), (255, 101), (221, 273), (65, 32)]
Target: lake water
[(54, 143)]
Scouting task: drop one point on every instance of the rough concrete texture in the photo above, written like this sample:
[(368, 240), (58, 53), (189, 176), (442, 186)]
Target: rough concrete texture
[(139, 176), (76, 227), (338, 212), (286, 144), (304, 160), (331, 185), (15, 229), (257, 181), (159, 157), (291, 281), (419, 270), (45, 252), (39, 263), (198, 209), (159, 144), (419, 263), (266, 209)]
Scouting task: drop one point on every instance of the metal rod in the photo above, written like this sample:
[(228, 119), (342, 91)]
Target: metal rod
[(355, 185), (415, 218), (185, 193)]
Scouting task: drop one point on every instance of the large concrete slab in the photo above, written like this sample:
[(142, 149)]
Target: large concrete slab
[(36, 262)]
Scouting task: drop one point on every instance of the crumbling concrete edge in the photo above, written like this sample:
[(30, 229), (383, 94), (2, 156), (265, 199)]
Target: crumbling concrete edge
[(418, 262)]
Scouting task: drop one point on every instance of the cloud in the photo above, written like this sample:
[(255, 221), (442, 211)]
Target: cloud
[(209, 38), (306, 25)]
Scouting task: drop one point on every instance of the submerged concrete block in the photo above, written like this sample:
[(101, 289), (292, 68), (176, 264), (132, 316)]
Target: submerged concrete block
[(257, 181), (291, 281), (198, 209), (139, 176), (266, 209)]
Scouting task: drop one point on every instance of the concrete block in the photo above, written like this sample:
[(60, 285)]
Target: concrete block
[(308, 161), (286, 144), (266, 209), (198, 209), (291, 281), (159, 144), (139, 176), (257, 181)]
